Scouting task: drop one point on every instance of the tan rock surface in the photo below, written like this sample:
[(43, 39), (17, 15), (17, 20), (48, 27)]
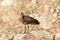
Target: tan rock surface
[(29, 37)]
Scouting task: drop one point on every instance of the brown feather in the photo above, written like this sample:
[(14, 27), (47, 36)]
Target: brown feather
[(29, 20)]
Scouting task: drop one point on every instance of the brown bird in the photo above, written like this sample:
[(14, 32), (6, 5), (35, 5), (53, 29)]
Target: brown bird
[(28, 20)]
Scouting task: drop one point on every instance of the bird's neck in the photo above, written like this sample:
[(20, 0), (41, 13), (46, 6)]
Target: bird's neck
[(22, 16)]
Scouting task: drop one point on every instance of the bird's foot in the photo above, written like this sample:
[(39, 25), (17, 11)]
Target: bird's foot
[(24, 32), (28, 32)]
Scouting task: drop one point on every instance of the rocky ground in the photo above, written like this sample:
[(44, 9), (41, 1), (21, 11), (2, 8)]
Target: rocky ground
[(47, 12)]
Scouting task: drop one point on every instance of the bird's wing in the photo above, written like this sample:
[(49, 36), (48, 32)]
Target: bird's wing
[(28, 19)]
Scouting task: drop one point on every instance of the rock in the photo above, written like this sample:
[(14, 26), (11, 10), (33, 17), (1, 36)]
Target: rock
[(29, 37), (42, 34), (57, 36)]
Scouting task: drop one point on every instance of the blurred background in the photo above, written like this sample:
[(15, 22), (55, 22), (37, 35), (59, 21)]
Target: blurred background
[(47, 12)]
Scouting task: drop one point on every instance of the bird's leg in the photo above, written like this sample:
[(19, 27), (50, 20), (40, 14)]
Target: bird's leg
[(54, 37), (28, 29), (25, 29)]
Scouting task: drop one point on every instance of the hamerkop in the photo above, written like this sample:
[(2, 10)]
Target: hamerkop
[(28, 20)]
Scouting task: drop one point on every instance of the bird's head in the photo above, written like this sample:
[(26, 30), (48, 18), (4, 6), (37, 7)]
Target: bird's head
[(22, 13)]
